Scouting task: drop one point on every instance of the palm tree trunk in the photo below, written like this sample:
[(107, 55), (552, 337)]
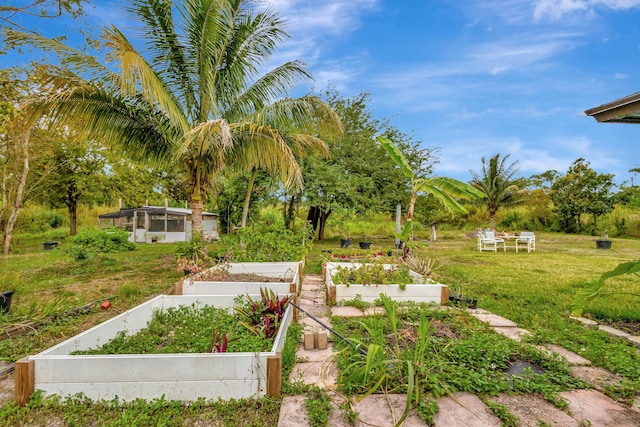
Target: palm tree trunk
[(247, 197), (196, 216)]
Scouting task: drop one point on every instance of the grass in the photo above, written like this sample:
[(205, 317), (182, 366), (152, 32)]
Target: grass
[(533, 289)]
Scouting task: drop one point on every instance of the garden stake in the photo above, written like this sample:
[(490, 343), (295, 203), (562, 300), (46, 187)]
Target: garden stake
[(360, 349)]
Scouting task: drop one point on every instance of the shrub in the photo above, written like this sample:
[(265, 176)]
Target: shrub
[(89, 242), (265, 243)]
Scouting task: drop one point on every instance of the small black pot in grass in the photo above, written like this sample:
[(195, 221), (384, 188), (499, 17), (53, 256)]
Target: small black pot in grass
[(5, 301), (603, 244), (365, 245)]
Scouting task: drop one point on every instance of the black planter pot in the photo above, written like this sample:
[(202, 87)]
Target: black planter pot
[(345, 243), (603, 244), (463, 301), (49, 245), (5, 301), (400, 245), (365, 245)]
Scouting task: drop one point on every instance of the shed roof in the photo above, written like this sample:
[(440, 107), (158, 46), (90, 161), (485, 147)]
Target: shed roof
[(623, 110), (152, 210)]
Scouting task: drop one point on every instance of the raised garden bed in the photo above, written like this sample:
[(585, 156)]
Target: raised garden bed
[(419, 291), (183, 377), (245, 278)]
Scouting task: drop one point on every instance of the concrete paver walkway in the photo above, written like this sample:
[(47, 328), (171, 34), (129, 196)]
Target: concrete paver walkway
[(585, 407)]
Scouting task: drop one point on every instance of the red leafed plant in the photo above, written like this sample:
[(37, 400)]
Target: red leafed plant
[(219, 341), (264, 316)]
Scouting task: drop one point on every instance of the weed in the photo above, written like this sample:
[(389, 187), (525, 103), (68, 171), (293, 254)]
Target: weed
[(318, 406), (350, 415), (357, 302), (501, 411)]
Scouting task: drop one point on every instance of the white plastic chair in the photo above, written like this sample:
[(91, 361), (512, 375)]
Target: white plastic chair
[(528, 239), (487, 241)]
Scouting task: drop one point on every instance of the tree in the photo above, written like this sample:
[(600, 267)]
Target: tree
[(444, 189), (195, 99), (77, 172), (498, 184), (581, 191), (359, 176)]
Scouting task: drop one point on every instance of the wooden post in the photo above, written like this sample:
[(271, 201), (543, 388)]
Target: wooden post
[(179, 287), (295, 310), (324, 272), (332, 295), (274, 375), (25, 380), (444, 295)]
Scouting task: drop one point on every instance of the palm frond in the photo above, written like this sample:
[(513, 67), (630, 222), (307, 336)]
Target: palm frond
[(137, 77), (265, 148)]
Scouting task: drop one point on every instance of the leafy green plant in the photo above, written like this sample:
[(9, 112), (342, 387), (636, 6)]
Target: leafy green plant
[(318, 406), (265, 243), (374, 274), (594, 289), (186, 329), (90, 242)]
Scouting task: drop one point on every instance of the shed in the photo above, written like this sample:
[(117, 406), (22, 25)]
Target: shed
[(623, 110), (150, 224)]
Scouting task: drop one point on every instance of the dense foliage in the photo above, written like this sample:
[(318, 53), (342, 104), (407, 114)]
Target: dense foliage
[(90, 242)]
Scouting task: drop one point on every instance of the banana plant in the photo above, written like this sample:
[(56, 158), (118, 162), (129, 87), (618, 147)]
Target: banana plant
[(445, 190), (591, 291)]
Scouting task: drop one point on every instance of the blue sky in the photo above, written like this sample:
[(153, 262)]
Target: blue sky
[(474, 77)]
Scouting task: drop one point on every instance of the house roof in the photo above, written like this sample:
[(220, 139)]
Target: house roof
[(152, 210), (623, 110)]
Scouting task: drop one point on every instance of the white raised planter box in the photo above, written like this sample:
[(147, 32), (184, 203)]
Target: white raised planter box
[(290, 272), (183, 377), (418, 292)]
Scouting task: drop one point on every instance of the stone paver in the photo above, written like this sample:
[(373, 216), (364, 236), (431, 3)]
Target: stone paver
[(571, 357), (515, 334), (346, 311), (597, 377), (293, 412), (598, 410), (464, 409), (614, 332), (381, 410), (494, 320), (635, 340), (531, 409), (584, 321)]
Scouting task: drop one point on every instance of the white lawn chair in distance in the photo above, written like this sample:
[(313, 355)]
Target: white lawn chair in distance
[(528, 239), (487, 241)]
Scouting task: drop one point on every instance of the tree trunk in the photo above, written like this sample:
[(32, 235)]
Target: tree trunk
[(313, 217), (322, 222), (73, 218), (196, 216), (290, 211), (19, 194), (247, 197)]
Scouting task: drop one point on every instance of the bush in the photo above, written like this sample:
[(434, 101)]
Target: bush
[(265, 243), (87, 243)]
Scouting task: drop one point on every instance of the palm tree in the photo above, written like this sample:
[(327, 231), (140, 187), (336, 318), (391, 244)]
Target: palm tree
[(498, 184), (194, 97)]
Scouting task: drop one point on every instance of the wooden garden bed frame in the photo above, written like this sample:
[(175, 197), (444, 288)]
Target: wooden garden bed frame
[(418, 292), (182, 377)]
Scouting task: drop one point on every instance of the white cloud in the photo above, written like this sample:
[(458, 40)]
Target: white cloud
[(555, 9)]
